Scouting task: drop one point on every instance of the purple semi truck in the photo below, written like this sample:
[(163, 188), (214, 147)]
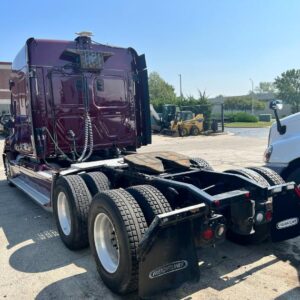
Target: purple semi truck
[(80, 110)]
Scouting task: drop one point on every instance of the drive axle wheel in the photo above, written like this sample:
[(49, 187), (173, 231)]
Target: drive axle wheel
[(116, 226), (71, 201), (96, 182), (262, 232), (292, 174), (251, 174), (271, 176), (151, 201), (201, 163)]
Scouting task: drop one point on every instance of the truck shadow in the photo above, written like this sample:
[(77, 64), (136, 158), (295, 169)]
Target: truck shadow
[(221, 269), (35, 247)]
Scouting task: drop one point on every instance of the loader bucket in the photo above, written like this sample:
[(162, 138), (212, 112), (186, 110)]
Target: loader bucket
[(286, 216)]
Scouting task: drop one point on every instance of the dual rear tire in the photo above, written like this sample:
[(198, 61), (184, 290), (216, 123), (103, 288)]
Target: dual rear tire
[(265, 177), (71, 203), (128, 214), (113, 223)]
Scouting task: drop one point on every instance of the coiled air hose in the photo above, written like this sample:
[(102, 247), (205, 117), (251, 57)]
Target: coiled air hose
[(91, 146), (88, 133)]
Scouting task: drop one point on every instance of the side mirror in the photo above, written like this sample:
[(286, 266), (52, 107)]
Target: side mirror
[(276, 105)]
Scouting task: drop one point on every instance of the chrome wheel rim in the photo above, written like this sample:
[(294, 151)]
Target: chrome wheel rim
[(106, 243), (64, 215)]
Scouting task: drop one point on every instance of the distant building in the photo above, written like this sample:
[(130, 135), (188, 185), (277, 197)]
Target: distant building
[(264, 97), (5, 70)]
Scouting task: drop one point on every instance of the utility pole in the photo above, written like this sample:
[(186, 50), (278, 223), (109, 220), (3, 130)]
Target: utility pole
[(252, 108), (180, 86)]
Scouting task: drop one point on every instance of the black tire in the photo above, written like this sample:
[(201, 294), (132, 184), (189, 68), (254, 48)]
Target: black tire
[(96, 182), (271, 176), (130, 226), (194, 131), (151, 201), (251, 174), (79, 199), (201, 163), (262, 232), (293, 175), (184, 131)]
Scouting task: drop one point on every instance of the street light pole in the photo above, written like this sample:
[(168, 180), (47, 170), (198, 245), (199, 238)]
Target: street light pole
[(180, 86), (252, 108)]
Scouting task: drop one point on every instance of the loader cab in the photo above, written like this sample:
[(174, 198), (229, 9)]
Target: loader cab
[(168, 114), (184, 115)]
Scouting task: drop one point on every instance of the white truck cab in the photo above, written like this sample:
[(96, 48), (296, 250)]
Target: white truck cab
[(283, 152)]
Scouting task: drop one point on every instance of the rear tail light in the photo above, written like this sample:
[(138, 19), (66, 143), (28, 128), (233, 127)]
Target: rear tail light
[(217, 232), (208, 234), (217, 203), (268, 215), (297, 191)]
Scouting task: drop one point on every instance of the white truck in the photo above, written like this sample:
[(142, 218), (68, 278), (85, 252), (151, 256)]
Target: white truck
[(283, 151)]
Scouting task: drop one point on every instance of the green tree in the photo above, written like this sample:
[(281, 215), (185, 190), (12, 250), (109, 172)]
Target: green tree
[(160, 91), (259, 105), (288, 86), (266, 87)]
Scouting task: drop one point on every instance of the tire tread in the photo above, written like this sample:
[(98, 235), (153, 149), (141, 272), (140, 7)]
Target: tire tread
[(151, 201), (271, 176), (201, 163), (251, 174), (136, 227), (82, 199), (96, 182)]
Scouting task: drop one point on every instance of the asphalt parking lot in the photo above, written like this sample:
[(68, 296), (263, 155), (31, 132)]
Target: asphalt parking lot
[(35, 264)]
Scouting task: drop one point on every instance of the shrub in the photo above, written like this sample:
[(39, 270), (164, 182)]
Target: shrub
[(244, 117)]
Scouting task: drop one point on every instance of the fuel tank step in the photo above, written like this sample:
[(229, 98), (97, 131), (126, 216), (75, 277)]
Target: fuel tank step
[(37, 196)]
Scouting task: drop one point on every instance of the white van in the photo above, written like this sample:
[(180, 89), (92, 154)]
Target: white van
[(283, 152)]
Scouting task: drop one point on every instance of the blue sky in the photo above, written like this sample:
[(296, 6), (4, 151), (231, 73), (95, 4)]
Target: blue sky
[(216, 45)]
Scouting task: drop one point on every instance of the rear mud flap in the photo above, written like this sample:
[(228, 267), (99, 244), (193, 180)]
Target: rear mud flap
[(167, 253), (286, 216)]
